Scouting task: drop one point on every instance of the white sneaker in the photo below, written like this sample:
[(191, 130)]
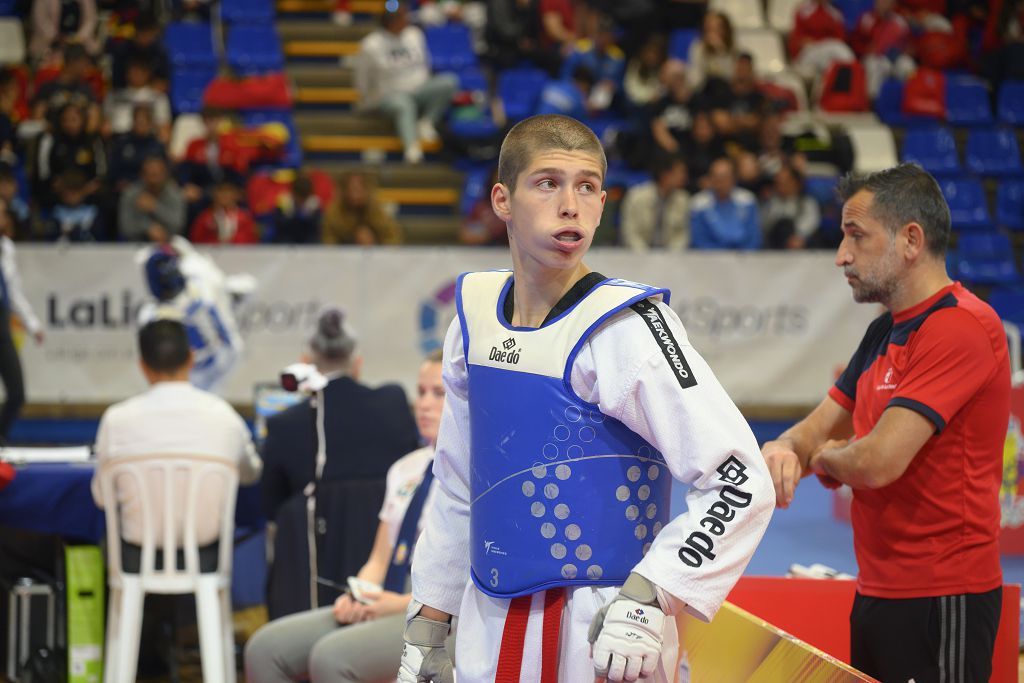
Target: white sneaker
[(426, 131), (414, 154), (342, 18)]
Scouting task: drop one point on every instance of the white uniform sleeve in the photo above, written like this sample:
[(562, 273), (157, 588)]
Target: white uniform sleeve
[(698, 556), (440, 565), (250, 465), (15, 295)]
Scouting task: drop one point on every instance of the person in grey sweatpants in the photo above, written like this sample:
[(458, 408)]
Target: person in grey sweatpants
[(361, 640)]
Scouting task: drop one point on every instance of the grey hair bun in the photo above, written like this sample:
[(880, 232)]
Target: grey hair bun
[(333, 338)]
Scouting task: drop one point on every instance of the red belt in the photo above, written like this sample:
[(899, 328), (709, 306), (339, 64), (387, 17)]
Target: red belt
[(510, 656)]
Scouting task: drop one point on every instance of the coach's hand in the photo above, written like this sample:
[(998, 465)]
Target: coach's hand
[(424, 657), (626, 634), (785, 468)]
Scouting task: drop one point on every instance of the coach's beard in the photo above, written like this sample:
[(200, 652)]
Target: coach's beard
[(871, 289)]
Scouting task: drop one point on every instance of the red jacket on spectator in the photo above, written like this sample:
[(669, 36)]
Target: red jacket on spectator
[(815, 20), (224, 226), (878, 35)]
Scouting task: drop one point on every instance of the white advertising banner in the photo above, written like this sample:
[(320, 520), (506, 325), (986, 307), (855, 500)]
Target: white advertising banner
[(773, 326)]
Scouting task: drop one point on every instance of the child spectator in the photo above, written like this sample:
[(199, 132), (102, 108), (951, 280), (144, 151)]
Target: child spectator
[(203, 165), (225, 222), (121, 103), (672, 115), (145, 46), (75, 218), (298, 214), (127, 151), (355, 216)]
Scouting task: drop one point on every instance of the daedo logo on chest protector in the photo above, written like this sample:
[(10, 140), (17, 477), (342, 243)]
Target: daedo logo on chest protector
[(700, 546), (508, 353)]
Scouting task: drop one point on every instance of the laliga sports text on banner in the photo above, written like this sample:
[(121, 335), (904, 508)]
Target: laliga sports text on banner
[(772, 325)]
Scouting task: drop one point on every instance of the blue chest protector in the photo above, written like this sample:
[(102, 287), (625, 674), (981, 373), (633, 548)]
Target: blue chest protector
[(561, 494)]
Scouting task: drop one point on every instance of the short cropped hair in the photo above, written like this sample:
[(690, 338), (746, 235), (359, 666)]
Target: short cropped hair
[(904, 194), (163, 345), (545, 133)]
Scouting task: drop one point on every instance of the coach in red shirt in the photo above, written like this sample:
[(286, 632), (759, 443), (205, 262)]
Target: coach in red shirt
[(915, 425)]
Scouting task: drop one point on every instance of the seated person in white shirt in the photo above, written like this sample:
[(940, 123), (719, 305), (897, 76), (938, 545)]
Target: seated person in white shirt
[(171, 417), (362, 640)]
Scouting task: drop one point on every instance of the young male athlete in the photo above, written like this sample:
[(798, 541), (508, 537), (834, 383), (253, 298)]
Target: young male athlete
[(573, 401)]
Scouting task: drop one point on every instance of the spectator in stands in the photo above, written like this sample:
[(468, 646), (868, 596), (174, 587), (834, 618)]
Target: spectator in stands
[(75, 217), (700, 149), (15, 205), (127, 151), (790, 216), (724, 216), (298, 214), (776, 149), (557, 31), (481, 226), (352, 640), (602, 57), (881, 40), (191, 10), (225, 222), (205, 163), (153, 208), (366, 429), (642, 81), (818, 38), (144, 45), (58, 23), (713, 55), (393, 75), (511, 33), (656, 214), (672, 115), (70, 146), (9, 117), (121, 103), (570, 97), (172, 416), (355, 215), (70, 87), (738, 110), (1003, 42)]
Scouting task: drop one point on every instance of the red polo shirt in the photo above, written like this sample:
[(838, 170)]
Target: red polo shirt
[(935, 530)]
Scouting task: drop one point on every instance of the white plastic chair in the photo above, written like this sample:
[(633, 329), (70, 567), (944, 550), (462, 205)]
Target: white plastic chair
[(171, 485), (765, 46), (185, 129), (742, 13), (874, 148), (782, 14), (12, 41)]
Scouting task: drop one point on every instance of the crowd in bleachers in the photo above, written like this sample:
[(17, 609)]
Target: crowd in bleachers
[(725, 122)]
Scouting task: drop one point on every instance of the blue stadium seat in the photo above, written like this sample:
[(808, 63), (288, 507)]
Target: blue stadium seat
[(1008, 302), (1010, 104), (9, 8), (967, 102), (934, 148), (852, 10), (451, 47), (472, 78), (474, 188), (190, 44), (993, 152), (187, 87), (986, 258), (293, 150), (1010, 204), (519, 90), (254, 48), (679, 42), (967, 206), (247, 11)]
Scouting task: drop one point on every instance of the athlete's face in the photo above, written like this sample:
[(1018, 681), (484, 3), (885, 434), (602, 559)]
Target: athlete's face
[(554, 211), (429, 401), (868, 254)]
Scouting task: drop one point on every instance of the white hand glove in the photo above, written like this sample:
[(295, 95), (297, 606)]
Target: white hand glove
[(424, 657), (626, 634)]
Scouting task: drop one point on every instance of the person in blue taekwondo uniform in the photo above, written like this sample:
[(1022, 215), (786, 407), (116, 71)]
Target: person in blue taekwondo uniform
[(574, 400)]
